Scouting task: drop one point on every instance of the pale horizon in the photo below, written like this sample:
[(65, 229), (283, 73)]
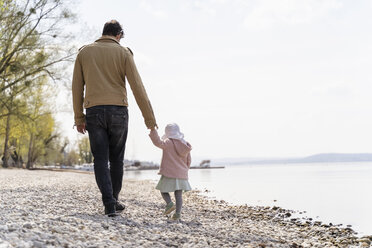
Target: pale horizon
[(246, 79)]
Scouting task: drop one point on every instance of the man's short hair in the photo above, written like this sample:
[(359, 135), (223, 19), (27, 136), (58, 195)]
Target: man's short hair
[(112, 28)]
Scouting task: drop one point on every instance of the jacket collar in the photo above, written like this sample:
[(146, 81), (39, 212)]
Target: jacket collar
[(107, 38)]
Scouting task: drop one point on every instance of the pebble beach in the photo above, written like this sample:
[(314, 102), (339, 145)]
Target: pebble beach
[(41, 208)]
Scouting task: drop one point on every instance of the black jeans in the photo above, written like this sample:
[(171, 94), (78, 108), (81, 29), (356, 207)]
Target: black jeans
[(107, 126)]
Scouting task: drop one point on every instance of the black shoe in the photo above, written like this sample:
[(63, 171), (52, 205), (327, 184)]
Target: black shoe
[(110, 210), (119, 207)]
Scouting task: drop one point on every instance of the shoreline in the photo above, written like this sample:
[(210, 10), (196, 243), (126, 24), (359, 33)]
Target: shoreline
[(46, 208)]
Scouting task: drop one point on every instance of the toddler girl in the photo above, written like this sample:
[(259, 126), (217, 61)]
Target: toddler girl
[(174, 167)]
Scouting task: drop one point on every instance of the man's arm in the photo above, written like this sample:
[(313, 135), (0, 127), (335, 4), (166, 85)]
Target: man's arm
[(139, 92), (78, 96)]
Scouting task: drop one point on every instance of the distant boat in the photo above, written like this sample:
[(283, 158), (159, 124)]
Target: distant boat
[(83, 167), (141, 165), (206, 164)]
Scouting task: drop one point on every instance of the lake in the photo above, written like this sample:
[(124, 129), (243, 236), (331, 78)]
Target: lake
[(338, 193)]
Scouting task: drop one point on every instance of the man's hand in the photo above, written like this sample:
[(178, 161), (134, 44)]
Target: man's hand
[(154, 127), (81, 128)]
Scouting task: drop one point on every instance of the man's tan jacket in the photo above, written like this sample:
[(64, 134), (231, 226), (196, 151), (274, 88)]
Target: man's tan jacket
[(102, 67)]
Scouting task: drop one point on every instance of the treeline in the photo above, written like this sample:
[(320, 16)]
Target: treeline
[(34, 54)]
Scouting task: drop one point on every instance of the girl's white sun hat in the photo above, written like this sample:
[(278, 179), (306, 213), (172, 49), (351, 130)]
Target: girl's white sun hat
[(172, 131)]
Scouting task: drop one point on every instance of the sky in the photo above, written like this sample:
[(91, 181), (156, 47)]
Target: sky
[(253, 78)]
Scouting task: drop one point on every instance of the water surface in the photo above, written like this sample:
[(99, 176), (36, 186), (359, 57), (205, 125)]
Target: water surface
[(338, 193)]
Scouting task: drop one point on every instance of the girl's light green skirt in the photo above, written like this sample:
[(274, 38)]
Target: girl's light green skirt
[(167, 184)]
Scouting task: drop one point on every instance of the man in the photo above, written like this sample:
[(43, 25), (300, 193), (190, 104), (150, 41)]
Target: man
[(102, 68)]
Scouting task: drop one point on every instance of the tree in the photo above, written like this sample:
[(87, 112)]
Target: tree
[(84, 150), (72, 158), (3, 6), (40, 125), (31, 50), (10, 108), (29, 45)]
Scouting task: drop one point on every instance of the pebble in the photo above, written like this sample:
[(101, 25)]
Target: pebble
[(54, 209), (38, 244), (3, 228), (4, 244), (27, 225)]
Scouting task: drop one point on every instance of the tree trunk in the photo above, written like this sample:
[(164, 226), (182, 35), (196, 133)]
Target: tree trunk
[(30, 150), (6, 147)]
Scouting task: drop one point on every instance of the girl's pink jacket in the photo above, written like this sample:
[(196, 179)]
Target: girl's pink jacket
[(176, 158)]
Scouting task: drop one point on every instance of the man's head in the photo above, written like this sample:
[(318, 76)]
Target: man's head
[(113, 28)]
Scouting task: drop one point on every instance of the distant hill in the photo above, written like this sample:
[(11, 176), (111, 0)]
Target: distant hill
[(316, 158), (339, 157)]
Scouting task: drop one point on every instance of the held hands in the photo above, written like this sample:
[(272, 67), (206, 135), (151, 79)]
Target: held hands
[(153, 132), (154, 128)]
